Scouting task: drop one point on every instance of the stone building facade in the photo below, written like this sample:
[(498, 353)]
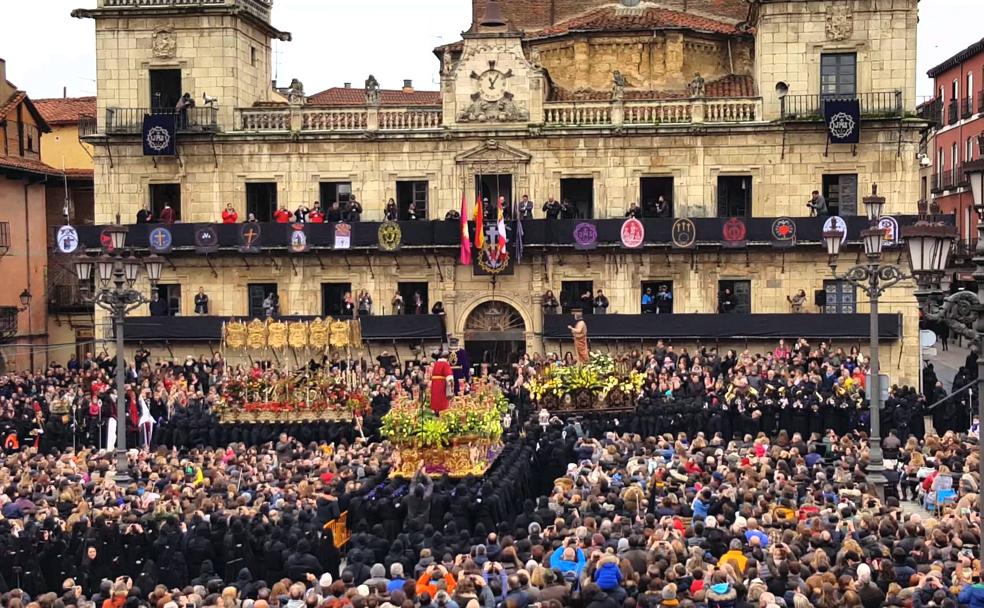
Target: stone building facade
[(716, 105)]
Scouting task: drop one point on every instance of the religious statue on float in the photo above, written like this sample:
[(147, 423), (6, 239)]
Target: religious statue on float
[(442, 383), (579, 331)]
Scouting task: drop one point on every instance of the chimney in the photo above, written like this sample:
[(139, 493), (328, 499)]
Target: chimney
[(3, 71), (408, 86), (64, 92), (348, 85)]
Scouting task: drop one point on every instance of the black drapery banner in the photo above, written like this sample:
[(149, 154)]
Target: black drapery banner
[(159, 135), (724, 326), (843, 118)]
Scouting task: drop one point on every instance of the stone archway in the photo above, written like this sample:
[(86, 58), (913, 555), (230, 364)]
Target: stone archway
[(495, 333)]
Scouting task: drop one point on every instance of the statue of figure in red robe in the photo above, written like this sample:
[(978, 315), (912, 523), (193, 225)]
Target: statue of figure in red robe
[(440, 376)]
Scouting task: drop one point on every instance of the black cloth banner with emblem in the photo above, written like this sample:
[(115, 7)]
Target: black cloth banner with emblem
[(159, 137), (843, 119)]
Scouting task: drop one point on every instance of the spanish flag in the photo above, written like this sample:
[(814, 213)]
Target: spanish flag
[(479, 223), (466, 255)]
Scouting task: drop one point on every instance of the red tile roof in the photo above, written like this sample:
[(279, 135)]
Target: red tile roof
[(27, 165), (341, 96), (729, 86), (61, 111), (613, 19), (12, 102), (21, 97)]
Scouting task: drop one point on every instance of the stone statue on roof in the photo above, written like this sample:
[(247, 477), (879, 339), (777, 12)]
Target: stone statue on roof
[(295, 93), (697, 86), (618, 85), (372, 91)]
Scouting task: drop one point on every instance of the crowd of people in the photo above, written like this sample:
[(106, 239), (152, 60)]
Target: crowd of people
[(739, 480)]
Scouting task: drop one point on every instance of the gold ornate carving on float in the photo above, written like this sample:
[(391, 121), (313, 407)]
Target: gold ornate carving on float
[(318, 333), (277, 335), (235, 334), (297, 334), (256, 335)]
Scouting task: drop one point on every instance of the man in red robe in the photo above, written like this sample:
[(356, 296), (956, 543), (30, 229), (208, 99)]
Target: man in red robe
[(440, 376)]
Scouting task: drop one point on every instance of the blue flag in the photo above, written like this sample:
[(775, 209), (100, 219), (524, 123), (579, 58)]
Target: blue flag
[(843, 118), (159, 134)]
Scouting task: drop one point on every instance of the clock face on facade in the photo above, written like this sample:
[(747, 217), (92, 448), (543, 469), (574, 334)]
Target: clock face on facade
[(492, 84)]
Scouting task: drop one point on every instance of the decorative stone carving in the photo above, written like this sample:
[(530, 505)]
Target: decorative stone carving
[(295, 93), (372, 91), (164, 43), (697, 86), (506, 109), (618, 86), (535, 59), (840, 22)]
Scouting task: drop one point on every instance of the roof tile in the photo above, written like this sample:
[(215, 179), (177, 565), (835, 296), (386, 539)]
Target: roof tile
[(341, 96), (611, 19), (729, 86), (67, 110), (27, 165)]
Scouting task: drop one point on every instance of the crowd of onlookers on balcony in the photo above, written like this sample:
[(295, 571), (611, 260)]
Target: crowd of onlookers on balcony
[(351, 211)]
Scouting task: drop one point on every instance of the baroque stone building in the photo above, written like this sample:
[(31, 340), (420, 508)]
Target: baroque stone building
[(715, 106)]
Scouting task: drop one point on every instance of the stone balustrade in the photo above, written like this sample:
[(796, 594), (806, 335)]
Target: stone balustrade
[(641, 113), (409, 119), (337, 120)]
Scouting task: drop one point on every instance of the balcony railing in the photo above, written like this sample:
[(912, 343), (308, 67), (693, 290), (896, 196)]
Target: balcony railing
[(967, 105), (952, 178), (980, 101), (931, 111), (4, 237), (87, 125), (193, 120), (338, 120), (952, 112), (880, 104), (8, 322), (964, 249), (66, 298)]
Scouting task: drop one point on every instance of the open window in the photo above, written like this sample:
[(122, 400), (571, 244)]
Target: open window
[(491, 187), (841, 194), (579, 191), (412, 193), (333, 297), (734, 196), (570, 296), (256, 295), (162, 195), (165, 89), (165, 301), (735, 296), (657, 297), (415, 297), (656, 196), (261, 200)]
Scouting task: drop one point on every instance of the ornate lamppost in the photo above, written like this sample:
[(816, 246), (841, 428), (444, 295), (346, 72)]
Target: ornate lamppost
[(872, 277), (116, 273)]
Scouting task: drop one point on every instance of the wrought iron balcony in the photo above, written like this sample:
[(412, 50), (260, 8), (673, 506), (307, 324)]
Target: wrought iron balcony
[(87, 125), (953, 112), (964, 249), (4, 237), (967, 105), (8, 322), (67, 298), (193, 120), (952, 178), (931, 111), (880, 104)]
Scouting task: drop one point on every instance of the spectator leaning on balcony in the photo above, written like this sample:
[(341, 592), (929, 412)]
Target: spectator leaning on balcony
[(229, 215), (525, 208), (301, 213), (551, 209), (567, 210), (634, 211), (662, 207), (144, 216), (391, 213), (167, 214), (797, 301), (550, 304), (353, 210), (282, 216), (316, 216), (397, 303), (201, 302), (184, 104), (818, 205), (600, 303)]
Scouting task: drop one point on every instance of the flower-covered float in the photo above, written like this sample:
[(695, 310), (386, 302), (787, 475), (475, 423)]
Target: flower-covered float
[(463, 440), (299, 397), (593, 385)]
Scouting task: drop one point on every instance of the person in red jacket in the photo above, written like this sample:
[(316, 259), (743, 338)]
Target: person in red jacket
[(229, 215), (282, 216), (167, 214), (316, 215)]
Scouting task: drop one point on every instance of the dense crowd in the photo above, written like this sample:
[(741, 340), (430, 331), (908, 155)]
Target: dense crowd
[(649, 508)]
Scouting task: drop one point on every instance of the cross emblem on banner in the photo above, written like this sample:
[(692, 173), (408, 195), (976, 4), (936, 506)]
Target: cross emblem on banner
[(159, 239), (250, 236)]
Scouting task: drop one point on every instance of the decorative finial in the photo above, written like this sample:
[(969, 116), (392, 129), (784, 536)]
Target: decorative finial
[(874, 189)]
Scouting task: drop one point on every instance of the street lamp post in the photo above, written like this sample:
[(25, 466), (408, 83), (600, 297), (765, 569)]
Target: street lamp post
[(962, 312), (872, 277), (116, 274)]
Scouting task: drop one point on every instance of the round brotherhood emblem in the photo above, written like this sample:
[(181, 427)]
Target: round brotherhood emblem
[(390, 236), (891, 227), (158, 139), (206, 237), (105, 240), (835, 223), (841, 125), (783, 229), (684, 233), (160, 240), (633, 233), (67, 239), (585, 235), (734, 230)]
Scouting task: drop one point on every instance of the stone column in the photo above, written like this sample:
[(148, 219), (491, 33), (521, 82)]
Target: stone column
[(372, 118)]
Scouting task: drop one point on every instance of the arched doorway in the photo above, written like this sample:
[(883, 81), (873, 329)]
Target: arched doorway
[(495, 333)]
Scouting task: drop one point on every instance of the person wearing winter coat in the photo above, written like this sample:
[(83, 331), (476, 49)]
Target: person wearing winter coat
[(568, 559), (972, 595), (721, 594)]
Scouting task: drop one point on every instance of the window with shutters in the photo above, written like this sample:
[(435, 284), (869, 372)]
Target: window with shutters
[(839, 298), (333, 298), (166, 301), (570, 295), (261, 200), (740, 292), (734, 196), (841, 194)]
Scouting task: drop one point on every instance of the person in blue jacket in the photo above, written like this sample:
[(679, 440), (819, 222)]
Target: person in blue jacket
[(608, 576), (972, 595), (567, 558)]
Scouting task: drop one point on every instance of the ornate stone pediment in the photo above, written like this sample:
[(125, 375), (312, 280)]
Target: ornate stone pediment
[(493, 152)]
